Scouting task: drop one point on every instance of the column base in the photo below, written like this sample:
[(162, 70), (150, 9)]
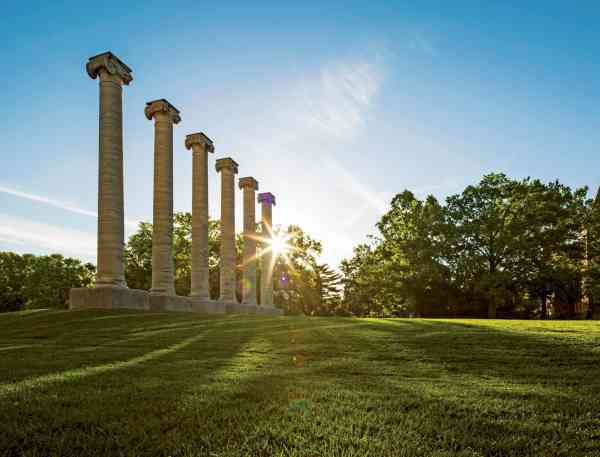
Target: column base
[(269, 311), (206, 306), (233, 307), (108, 297), (112, 297), (160, 302), (249, 309)]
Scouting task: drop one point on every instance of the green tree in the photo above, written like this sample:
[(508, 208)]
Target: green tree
[(328, 289), (502, 246), (51, 277), (29, 281), (13, 281), (138, 255), (295, 279), (294, 283)]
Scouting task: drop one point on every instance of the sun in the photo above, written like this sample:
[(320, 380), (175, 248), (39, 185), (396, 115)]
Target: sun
[(279, 244)]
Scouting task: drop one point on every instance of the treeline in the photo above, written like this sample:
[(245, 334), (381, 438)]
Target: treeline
[(302, 285), (502, 247), (29, 281)]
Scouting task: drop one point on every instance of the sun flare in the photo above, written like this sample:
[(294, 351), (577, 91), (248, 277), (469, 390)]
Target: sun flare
[(279, 244)]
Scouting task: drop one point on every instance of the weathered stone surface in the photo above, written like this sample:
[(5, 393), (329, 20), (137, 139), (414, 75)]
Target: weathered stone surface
[(113, 74), (267, 201), (228, 169), (249, 309), (161, 302), (249, 187), (269, 311), (200, 145), (110, 63), (108, 297), (165, 116), (241, 308), (234, 308), (123, 298), (206, 306)]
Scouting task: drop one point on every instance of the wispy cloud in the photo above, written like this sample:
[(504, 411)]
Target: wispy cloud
[(355, 186), (52, 238), (338, 104), (53, 202), (322, 114), (47, 201)]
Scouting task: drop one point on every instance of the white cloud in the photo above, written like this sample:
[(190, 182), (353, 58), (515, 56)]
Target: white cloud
[(53, 202), (51, 238), (340, 102), (355, 186), (322, 114)]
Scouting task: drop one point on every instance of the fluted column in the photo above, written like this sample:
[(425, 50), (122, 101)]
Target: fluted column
[(200, 145), (164, 115), (113, 74), (267, 201), (228, 169), (249, 186)]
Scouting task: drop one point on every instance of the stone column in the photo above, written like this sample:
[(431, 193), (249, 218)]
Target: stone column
[(200, 145), (112, 74), (228, 169), (164, 115), (267, 201), (249, 186)]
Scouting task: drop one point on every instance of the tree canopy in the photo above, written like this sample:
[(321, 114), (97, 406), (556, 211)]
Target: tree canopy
[(29, 281), (502, 247), (301, 284)]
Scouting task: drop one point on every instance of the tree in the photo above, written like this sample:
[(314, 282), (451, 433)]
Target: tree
[(138, 255), (13, 280), (29, 281), (502, 246), (327, 288), (294, 283), (51, 277), (301, 283)]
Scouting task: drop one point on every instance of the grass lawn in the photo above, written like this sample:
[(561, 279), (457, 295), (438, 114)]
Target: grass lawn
[(128, 383)]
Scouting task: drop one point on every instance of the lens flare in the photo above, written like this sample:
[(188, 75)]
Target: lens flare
[(279, 244)]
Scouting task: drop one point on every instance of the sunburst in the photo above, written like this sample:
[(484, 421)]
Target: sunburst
[(278, 244)]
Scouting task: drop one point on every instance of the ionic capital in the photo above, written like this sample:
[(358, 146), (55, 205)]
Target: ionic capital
[(162, 106), (248, 182), (111, 64), (226, 164), (266, 197), (199, 139)]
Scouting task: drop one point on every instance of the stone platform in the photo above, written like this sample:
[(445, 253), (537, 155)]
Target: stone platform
[(108, 298), (124, 298)]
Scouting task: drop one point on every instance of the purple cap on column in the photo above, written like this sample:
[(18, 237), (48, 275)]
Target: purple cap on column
[(266, 197)]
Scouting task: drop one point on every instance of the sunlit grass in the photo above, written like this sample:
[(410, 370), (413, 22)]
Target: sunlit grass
[(123, 383)]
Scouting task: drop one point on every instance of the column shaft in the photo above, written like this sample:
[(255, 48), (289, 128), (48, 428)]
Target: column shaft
[(266, 290), (199, 280), (111, 230), (249, 186), (228, 255), (162, 233)]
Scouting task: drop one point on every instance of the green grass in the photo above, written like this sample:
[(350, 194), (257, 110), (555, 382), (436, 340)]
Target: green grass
[(127, 383)]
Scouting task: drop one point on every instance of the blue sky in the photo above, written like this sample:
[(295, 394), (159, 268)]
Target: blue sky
[(333, 107)]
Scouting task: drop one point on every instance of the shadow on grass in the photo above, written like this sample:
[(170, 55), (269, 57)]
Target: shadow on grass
[(305, 387), (407, 388), (126, 404)]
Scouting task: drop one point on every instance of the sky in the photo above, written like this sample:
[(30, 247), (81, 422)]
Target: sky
[(334, 107)]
